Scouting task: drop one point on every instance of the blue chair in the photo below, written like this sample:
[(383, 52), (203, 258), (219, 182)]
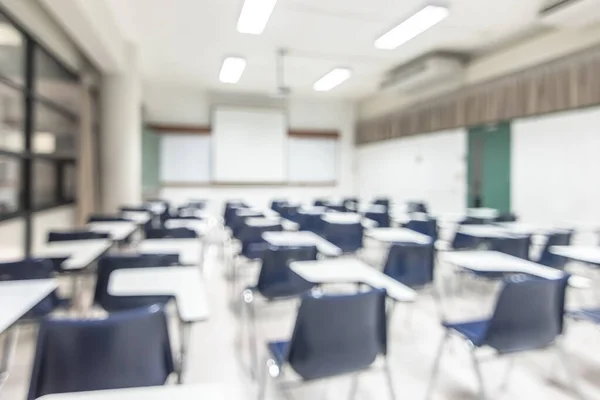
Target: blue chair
[(506, 217), (277, 204), (348, 237), (411, 264), (382, 201), (516, 246), (311, 222), (197, 204), (334, 335), (320, 203), (33, 269), (528, 316), (125, 350), (134, 209), (238, 222), (108, 264), (229, 211), (76, 235), (427, 226), (106, 218), (558, 238), (337, 207), (276, 281), (290, 212), (382, 218), (173, 233), (416, 207), (351, 203)]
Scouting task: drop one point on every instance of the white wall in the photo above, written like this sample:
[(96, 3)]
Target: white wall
[(12, 238), (166, 104), (555, 167), (427, 167)]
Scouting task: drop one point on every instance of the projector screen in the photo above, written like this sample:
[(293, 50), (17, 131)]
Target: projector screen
[(249, 145)]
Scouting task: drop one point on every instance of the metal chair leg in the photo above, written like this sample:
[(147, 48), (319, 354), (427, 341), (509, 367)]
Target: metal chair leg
[(353, 387), (436, 365), (248, 300), (477, 369), (388, 376), (262, 384), (568, 368), (8, 350)]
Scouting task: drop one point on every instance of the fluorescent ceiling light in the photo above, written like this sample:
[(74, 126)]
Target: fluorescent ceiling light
[(412, 27), (232, 69), (332, 79), (255, 15)]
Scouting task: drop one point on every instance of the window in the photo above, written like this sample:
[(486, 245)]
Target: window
[(10, 185), (69, 184), (55, 132), (12, 53), (12, 136), (54, 82), (44, 178)]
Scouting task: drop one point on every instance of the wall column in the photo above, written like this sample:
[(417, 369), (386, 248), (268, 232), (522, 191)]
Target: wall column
[(121, 136)]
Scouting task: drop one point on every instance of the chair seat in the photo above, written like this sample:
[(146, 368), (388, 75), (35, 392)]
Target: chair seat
[(279, 351), (588, 314), (474, 331)]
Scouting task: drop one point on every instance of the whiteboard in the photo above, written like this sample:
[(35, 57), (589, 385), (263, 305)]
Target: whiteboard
[(249, 145), (185, 158), (312, 159)]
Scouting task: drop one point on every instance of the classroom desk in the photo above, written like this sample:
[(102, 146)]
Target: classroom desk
[(190, 250), (302, 238), (205, 391), (200, 226), (312, 210), (493, 261), (286, 224), (397, 235), (333, 217), (117, 230), (79, 254), (348, 270), (138, 217), (18, 298), (185, 284), (483, 213), (485, 231), (584, 254)]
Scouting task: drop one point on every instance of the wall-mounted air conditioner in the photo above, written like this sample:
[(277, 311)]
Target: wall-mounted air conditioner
[(424, 72), (570, 13)]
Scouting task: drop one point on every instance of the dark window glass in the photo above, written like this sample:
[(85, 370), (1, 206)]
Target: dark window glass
[(55, 132), (44, 182), (10, 184), (12, 137), (12, 52), (55, 82), (69, 189)]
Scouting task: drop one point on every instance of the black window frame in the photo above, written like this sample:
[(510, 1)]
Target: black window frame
[(31, 99)]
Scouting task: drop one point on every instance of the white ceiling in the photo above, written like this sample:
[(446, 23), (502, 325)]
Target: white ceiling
[(183, 42)]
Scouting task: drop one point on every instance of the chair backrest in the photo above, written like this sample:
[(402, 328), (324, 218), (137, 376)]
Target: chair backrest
[(348, 237), (289, 211), (411, 263), (382, 218), (311, 222), (253, 244), (426, 226), (134, 209), (338, 334), (517, 246), (110, 263), (76, 235), (171, 233), (382, 202), (128, 349), (528, 314), (229, 211), (276, 279), (32, 268), (320, 203), (338, 207), (106, 218), (416, 206), (558, 238), (506, 217)]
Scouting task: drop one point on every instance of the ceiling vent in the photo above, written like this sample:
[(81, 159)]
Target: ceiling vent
[(424, 72), (570, 13)]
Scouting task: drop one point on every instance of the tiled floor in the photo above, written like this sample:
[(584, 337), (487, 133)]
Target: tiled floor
[(218, 353)]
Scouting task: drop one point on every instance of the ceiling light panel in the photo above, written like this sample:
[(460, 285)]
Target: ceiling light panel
[(232, 69), (412, 27), (255, 15), (332, 79)]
